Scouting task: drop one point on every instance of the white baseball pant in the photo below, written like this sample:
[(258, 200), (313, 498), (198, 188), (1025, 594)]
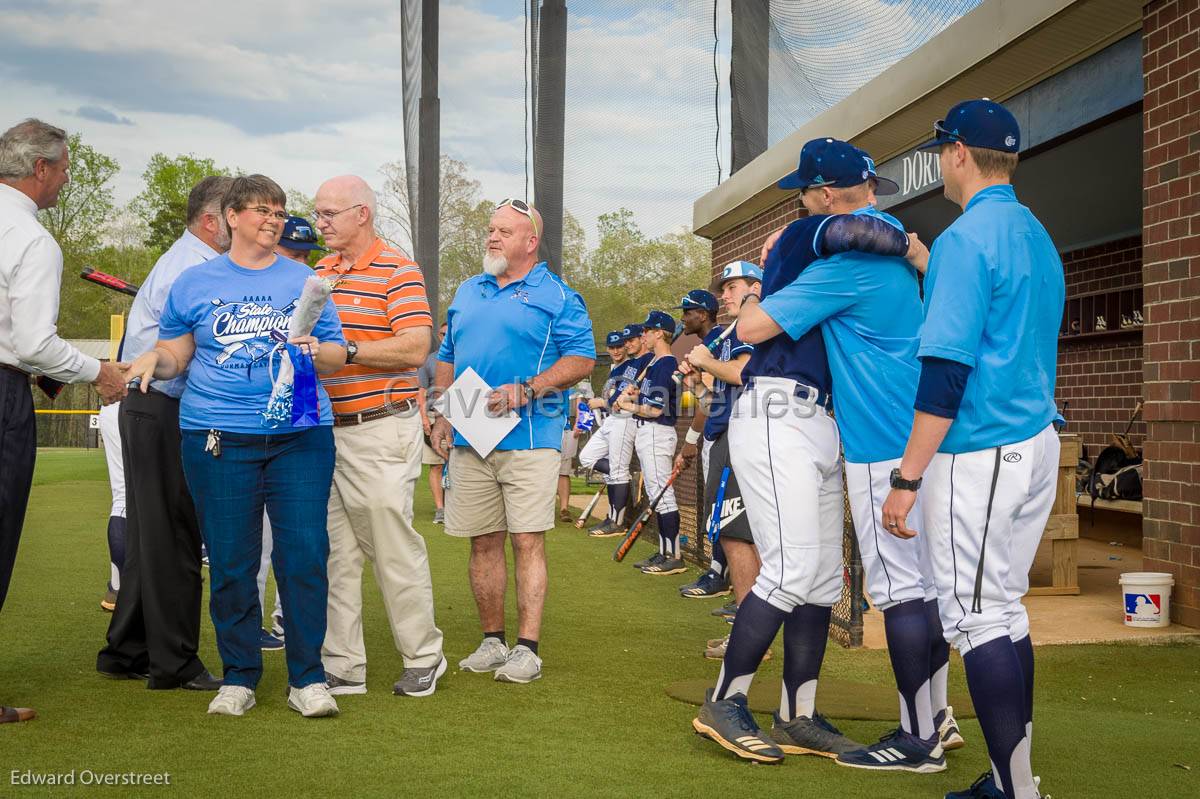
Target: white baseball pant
[(786, 453), (656, 452), (615, 441), (985, 512), (897, 569), (110, 433)]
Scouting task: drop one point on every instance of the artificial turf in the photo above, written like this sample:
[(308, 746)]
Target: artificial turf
[(1111, 721)]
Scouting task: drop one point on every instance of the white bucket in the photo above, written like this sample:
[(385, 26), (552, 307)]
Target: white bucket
[(1147, 598)]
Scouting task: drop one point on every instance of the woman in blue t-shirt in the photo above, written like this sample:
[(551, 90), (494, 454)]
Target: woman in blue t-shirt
[(225, 323)]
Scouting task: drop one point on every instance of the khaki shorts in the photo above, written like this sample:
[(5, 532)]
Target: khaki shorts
[(511, 490), (429, 457), (570, 445)]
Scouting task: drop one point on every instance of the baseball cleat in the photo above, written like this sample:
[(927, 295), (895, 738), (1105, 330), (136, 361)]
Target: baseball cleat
[(983, 788), (666, 566), (708, 586), (653, 560), (717, 646), (948, 730), (811, 736), (898, 751), (109, 602), (726, 611), (730, 724), (605, 530)]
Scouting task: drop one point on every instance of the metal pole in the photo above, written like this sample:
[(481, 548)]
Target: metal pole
[(428, 241), (551, 123), (749, 79)]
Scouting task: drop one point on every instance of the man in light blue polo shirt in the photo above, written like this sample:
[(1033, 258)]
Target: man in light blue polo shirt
[(526, 332), (869, 310), (982, 437)]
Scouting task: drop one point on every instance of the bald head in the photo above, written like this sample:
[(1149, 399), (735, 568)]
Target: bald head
[(345, 210)]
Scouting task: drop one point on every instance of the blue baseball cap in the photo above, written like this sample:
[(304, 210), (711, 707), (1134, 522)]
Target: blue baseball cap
[(742, 269), (632, 330), (298, 234), (614, 339), (698, 299), (659, 320), (837, 164), (978, 123)]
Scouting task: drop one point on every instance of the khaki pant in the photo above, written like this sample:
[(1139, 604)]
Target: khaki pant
[(511, 490), (370, 517)]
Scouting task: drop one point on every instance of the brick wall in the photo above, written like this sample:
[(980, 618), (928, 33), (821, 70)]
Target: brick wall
[(744, 242), (1171, 279), (1102, 379)]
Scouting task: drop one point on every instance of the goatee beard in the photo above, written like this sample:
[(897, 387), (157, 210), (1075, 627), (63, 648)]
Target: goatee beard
[(495, 265)]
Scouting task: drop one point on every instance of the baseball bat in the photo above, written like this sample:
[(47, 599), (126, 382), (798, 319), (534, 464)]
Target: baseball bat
[(108, 281), (712, 347), (635, 529), (587, 512)]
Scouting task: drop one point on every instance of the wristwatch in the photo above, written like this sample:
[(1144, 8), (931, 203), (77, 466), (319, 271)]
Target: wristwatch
[(351, 350), (904, 485), (527, 388)]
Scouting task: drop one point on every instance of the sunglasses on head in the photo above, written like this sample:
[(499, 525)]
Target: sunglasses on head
[(520, 206)]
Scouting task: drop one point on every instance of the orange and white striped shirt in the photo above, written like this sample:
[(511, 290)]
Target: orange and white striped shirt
[(379, 295)]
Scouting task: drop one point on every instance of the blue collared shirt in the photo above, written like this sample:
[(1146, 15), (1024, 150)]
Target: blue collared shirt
[(994, 301), (141, 331), (510, 334), (869, 309)]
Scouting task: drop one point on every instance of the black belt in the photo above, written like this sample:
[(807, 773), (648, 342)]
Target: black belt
[(823, 399), (351, 419)]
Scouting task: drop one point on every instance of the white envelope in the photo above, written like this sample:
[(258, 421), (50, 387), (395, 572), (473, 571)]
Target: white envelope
[(465, 406)]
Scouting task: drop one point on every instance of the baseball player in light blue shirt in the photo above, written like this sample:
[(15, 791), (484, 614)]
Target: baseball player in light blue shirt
[(982, 438), (869, 310)]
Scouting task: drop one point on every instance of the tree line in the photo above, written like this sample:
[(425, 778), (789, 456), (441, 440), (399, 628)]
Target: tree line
[(623, 276)]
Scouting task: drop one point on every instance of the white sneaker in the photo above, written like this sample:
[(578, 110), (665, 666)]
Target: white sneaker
[(491, 655), (522, 666), (231, 700), (312, 701)]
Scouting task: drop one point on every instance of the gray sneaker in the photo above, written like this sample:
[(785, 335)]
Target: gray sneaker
[(653, 560), (730, 724), (490, 655), (439, 516), (419, 682), (521, 667), (666, 566), (606, 530), (341, 687), (811, 736)]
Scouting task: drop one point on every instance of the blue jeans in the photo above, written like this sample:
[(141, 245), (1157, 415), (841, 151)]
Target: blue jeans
[(290, 474)]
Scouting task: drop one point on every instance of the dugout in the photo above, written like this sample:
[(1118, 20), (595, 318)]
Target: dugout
[(1108, 96)]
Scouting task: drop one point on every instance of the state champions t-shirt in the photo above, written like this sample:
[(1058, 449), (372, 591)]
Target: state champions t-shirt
[(231, 312)]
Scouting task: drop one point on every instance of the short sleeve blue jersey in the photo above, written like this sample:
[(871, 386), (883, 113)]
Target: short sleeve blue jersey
[(994, 298), (659, 390), (723, 394), (802, 359), (869, 311)]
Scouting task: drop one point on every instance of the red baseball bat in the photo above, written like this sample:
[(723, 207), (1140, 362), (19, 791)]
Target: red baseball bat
[(108, 281), (635, 529)]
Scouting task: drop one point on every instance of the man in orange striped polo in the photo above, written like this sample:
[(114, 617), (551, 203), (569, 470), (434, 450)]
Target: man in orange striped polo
[(380, 297)]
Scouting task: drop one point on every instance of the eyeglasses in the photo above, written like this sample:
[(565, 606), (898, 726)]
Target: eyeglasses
[(265, 212), (328, 215), (520, 206), (940, 130)]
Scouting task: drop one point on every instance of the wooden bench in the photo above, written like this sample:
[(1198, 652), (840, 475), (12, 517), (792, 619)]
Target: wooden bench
[(1062, 528), (1084, 502)]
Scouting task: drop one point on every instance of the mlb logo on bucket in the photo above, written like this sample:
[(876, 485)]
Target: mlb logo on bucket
[(1143, 606)]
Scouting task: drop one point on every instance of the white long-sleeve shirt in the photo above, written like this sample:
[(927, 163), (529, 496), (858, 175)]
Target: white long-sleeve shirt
[(31, 267)]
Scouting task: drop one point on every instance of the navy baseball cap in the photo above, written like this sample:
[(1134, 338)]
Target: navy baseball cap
[(614, 339), (837, 164), (298, 234), (659, 320), (978, 123), (742, 269), (698, 299), (632, 330)]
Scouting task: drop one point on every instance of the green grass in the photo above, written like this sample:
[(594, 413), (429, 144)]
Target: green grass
[(1112, 721)]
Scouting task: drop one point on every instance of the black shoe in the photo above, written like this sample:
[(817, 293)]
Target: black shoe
[(124, 674), (204, 681)]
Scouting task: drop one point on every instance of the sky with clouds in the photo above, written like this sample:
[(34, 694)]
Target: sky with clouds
[(307, 89)]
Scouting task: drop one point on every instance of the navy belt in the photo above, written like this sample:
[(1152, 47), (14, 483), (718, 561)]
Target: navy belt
[(822, 399)]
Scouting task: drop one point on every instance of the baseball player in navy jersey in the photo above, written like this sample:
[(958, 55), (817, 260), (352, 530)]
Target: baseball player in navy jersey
[(982, 439), (610, 450), (654, 405), (868, 308), (785, 448)]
